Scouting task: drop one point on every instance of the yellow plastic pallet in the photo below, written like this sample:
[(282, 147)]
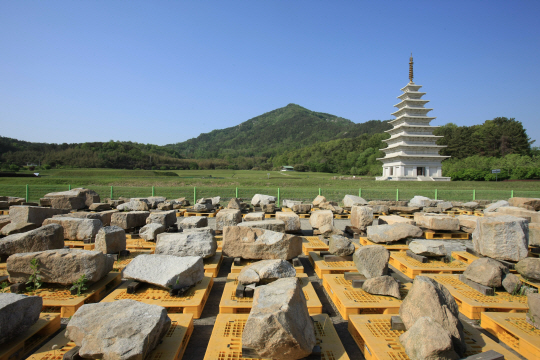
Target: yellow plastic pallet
[(342, 216), (140, 244), (4, 212), (514, 331), (180, 213), (219, 245), (226, 340), (468, 258), (412, 267), (322, 267), (394, 247), (466, 212), (172, 346), (269, 216), (351, 301), (230, 304), (19, 347), (304, 216), (191, 302), (58, 299), (121, 263), (79, 244), (479, 214), (237, 268), (471, 302), (406, 215), (377, 341), (286, 209), (133, 237), (212, 265), (451, 235), (530, 282), (188, 214), (312, 243)]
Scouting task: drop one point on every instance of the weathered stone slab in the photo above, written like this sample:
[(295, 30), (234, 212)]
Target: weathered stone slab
[(529, 268), (100, 207), (290, 203), (165, 218), (129, 220), (445, 205), (200, 244), (467, 223), (134, 205), (228, 217), (291, 220), (166, 271), (340, 246), (111, 240), (428, 247), (192, 222), (471, 205), (259, 244), (422, 201), (486, 271), (404, 209), (501, 237), (436, 221), (18, 228), (382, 285), (235, 203), (380, 209), (104, 216), (255, 216), (149, 232), (60, 266), (301, 208), (394, 219), (268, 208), (534, 234), (351, 200), (372, 260), (17, 314), (279, 326), (320, 218), (120, 330), (260, 199), (494, 206), (520, 212), (48, 237), (22, 214), (526, 203), (361, 216), (318, 200), (329, 230), (391, 233), (266, 271), (427, 339), (273, 225), (533, 315), (73, 199), (165, 206), (76, 228)]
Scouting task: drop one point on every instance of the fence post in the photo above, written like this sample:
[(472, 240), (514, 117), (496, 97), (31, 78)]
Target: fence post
[(474, 195), (236, 192), (435, 194), (319, 191), (194, 195), (69, 187), (153, 191), (397, 194), (512, 194), (360, 192), (279, 203), (27, 193), (112, 193)]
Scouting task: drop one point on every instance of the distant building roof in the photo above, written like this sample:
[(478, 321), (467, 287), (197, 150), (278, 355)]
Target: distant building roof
[(287, 167)]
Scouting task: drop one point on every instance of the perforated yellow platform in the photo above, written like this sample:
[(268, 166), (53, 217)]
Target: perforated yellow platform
[(412, 267), (312, 243), (471, 303), (191, 302), (58, 299), (514, 331), (140, 244), (377, 341), (226, 340), (393, 247), (122, 262), (530, 282), (235, 269), (230, 304), (188, 214), (172, 346), (219, 244), (75, 244), (20, 346), (335, 267), (351, 301)]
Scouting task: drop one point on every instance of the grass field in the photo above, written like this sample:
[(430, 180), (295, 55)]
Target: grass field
[(302, 186)]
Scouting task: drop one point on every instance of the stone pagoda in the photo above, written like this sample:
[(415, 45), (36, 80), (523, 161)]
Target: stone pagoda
[(412, 153)]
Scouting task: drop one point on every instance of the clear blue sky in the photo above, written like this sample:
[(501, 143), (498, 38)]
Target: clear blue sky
[(165, 71)]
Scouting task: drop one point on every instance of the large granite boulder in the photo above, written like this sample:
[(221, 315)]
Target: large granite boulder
[(467, 223), (166, 271), (111, 240), (4, 220), (228, 217), (17, 314), (332, 206), (192, 222), (47, 237), (445, 205), (259, 244), (351, 200), (471, 205), (391, 233), (361, 216), (100, 207), (265, 271), (274, 225), (104, 216), (382, 285), (526, 203), (429, 298), (165, 218), (394, 219), (318, 200), (372, 260), (166, 206), (129, 220), (76, 228), (134, 205), (340, 245), (235, 203), (73, 199), (428, 247), (119, 330), (268, 208), (290, 203), (427, 339), (436, 221), (260, 199), (63, 267), (149, 232), (320, 218), (494, 206), (18, 228), (329, 230), (154, 201), (23, 214), (279, 326), (201, 244), (422, 201), (486, 271), (301, 208), (501, 237), (291, 220), (380, 209), (520, 212), (529, 268), (511, 283), (534, 234)]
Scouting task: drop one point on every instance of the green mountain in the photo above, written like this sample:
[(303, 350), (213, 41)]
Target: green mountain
[(288, 128)]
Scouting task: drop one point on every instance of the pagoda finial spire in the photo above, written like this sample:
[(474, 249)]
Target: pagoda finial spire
[(411, 75)]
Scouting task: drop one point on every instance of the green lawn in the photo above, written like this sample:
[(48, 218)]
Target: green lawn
[(302, 186)]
